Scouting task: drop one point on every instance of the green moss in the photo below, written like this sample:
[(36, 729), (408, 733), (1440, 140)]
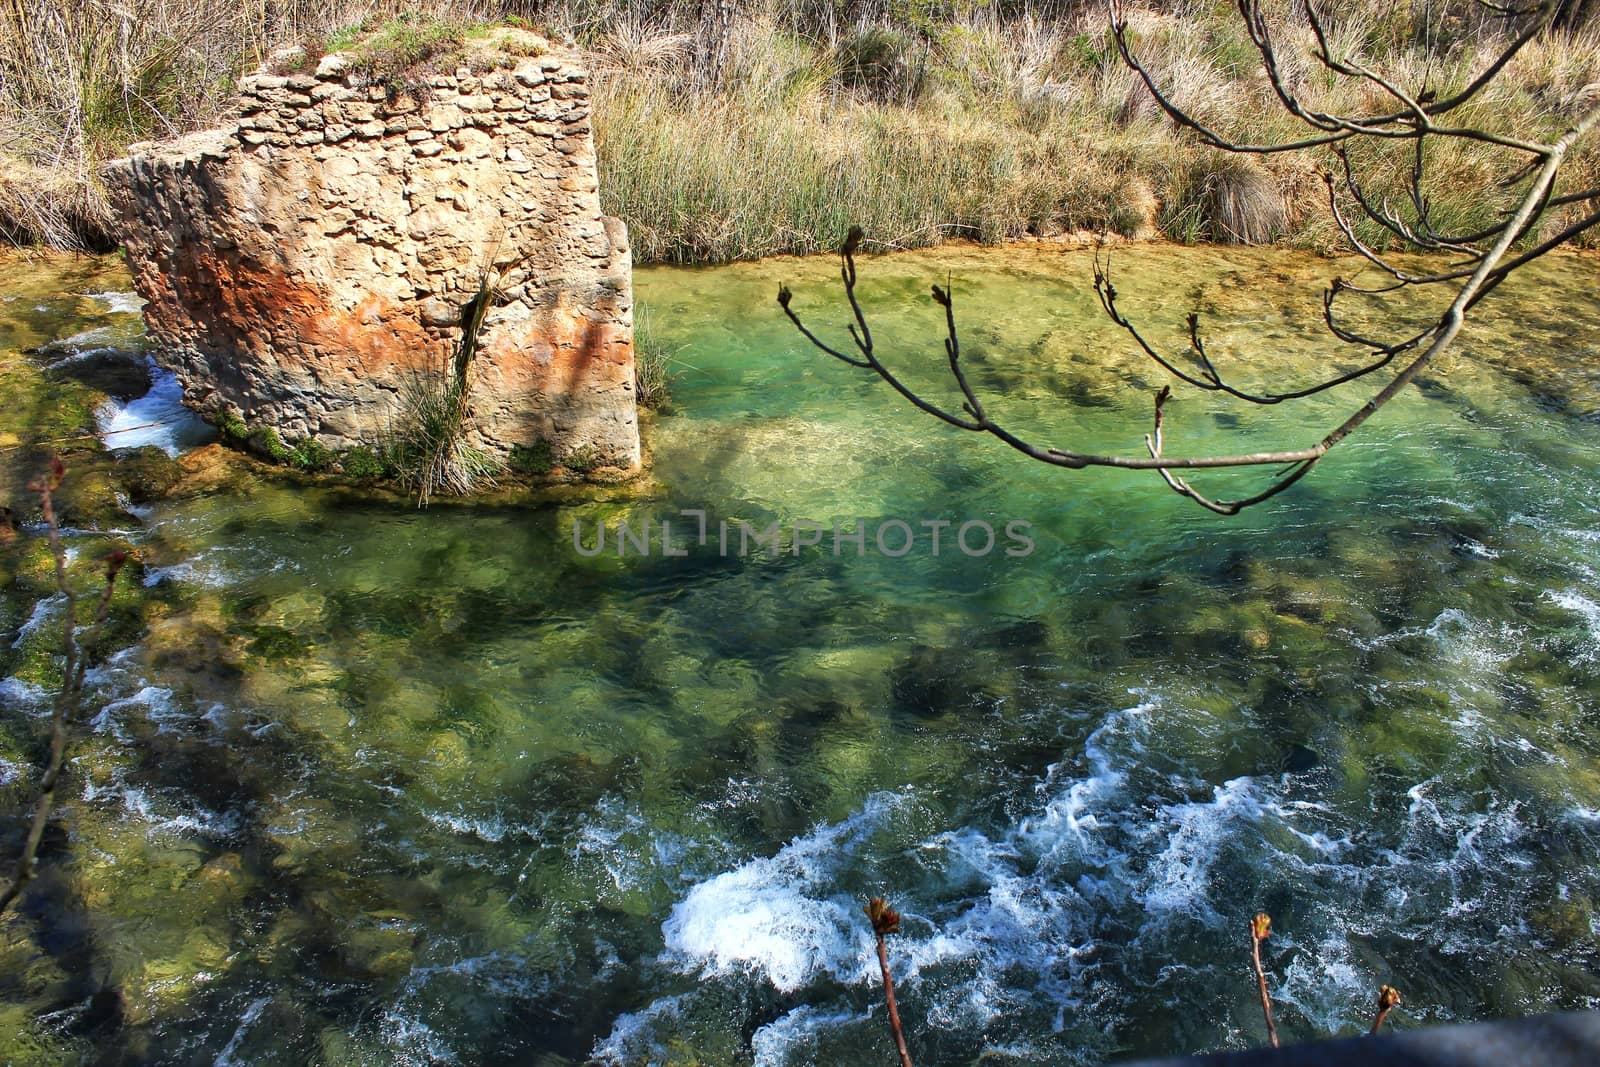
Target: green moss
[(89, 498), (232, 428), (277, 643), (265, 442), (536, 458), (581, 460), (146, 474)]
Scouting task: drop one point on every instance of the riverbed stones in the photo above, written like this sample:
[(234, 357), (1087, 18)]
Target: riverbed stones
[(307, 264)]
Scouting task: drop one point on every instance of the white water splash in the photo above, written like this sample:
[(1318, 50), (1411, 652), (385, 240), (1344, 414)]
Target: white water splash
[(119, 303), (158, 418), (770, 917), (246, 1021), (160, 815), (42, 613), (1588, 611), (490, 828), (18, 693)]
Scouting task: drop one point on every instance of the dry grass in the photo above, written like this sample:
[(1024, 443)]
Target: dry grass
[(80, 81), (820, 115)]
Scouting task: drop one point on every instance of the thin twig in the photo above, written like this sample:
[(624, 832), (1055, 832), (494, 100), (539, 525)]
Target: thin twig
[(1260, 930), (1388, 1000), (885, 921), (80, 437)]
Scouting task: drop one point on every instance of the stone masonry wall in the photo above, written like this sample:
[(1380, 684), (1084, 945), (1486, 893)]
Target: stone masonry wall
[(303, 263)]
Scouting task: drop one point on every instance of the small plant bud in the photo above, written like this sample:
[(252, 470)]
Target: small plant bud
[(852, 241), (114, 561), (1261, 926), (941, 296), (885, 920), (1388, 999), (784, 296)]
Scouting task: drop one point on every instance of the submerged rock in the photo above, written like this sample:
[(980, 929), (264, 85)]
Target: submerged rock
[(146, 474), (117, 372), (90, 498)]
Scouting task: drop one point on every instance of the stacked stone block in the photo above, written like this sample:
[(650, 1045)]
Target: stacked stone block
[(306, 264)]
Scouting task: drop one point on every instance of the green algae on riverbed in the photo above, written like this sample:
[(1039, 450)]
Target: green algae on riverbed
[(380, 786)]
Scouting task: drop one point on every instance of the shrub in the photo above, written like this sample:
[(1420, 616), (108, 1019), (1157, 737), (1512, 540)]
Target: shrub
[(882, 63)]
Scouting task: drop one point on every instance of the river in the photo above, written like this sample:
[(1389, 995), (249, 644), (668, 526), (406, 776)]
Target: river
[(375, 785)]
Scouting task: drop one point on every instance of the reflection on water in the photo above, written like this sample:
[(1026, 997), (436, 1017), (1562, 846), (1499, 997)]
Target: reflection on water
[(380, 786)]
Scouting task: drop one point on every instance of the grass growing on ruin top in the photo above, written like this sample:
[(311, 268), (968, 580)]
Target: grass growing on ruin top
[(415, 43)]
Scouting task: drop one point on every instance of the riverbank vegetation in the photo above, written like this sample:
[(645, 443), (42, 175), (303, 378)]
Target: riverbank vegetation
[(737, 131)]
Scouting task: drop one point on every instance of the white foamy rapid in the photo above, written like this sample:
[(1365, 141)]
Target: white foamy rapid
[(774, 918), (1122, 877), (158, 418), (118, 303)]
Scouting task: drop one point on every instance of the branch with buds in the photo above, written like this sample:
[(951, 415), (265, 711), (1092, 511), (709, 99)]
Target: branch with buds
[(1260, 930), (885, 921), (1388, 1000)]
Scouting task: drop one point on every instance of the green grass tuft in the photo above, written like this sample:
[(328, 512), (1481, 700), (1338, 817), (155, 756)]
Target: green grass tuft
[(652, 363)]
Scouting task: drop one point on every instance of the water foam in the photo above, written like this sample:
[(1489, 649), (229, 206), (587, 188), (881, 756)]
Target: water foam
[(1119, 877), (158, 418), (20, 693), (778, 917), (163, 815), (1586, 609), (119, 303), (43, 611)]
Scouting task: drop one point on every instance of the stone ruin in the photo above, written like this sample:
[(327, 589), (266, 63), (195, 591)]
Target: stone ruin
[(306, 264)]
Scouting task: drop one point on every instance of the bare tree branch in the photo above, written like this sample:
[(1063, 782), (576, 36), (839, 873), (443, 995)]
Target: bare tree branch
[(1482, 260), (74, 666)]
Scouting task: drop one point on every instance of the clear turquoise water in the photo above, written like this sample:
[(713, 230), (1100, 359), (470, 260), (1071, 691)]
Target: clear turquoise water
[(387, 786)]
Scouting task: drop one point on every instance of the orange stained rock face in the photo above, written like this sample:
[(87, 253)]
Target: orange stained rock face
[(563, 353), (250, 301)]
